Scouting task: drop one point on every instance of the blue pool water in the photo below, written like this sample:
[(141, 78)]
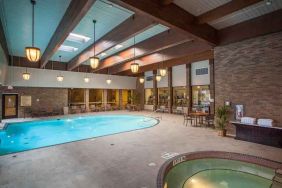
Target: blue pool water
[(24, 136)]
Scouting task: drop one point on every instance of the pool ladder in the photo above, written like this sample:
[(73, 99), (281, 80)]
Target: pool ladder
[(277, 180)]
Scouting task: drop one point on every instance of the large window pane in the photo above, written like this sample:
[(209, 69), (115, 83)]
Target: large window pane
[(179, 96), (163, 96), (201, 97), (76, 96), (149, 96), (113, 96), (95, 96), (126, 97)]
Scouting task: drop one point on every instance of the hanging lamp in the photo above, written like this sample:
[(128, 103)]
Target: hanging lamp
[(163, 69), (25, 75), (94, 60), (109, 81), (158, 77), (32, 53), (141, 80), (134, 66), (60, 77), (86, 78)]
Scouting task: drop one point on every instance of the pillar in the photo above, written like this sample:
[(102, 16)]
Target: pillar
[(189, 86), (212, 86), (105, 98), (141, 92), (120, 98), (86, 99), (155, 89), (170, 89)]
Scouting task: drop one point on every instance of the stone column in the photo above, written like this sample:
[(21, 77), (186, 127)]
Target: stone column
[(141, 92), (155, 89), (86, 99), (170, 89), (120, 98), (105, 98), (212, 86), (189, 86)]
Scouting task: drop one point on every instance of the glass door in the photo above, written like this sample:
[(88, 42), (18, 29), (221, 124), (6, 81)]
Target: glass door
[(10, 106)]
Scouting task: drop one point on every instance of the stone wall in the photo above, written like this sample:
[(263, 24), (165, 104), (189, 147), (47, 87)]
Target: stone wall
[(42, 98), (250, 73)]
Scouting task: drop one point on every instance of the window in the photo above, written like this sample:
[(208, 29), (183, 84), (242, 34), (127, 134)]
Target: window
[(179, 96), (163, 96), (113, 96), (201, 97), (149, 96), (95, 96), (76, 96), (126, 97)]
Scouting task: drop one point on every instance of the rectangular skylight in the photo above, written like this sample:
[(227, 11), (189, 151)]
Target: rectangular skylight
[(78, 38), (67, 48)]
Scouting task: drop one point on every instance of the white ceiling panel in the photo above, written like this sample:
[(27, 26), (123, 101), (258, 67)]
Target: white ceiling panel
[(198, 7), (247, 13)]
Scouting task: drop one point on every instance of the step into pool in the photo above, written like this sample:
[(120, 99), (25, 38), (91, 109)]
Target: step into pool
[(17, 137)]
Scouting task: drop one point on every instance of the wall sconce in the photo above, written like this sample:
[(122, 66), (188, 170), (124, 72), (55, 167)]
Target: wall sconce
[(227, 103)]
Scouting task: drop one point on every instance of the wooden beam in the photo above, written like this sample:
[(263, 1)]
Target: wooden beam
[(266, 24), (188, 58), (167, 54), (174, 17), (166, 2), (225, 9), (127, 29), (74, 13), (3, 41), (164, 40)]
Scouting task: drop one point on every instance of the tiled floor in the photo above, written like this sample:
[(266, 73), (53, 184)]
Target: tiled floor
[(126, 160)]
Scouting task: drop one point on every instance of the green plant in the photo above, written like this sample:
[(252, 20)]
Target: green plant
[(135, 98), (221, 114)]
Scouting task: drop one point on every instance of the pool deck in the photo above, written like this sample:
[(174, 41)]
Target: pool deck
[(125, 160)]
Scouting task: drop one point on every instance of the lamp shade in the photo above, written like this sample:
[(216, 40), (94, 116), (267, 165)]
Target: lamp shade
[(158, 78), (134, 67), (94, 62), (109, 81), (162, 72), (26, 76), (32, 54), (86, 79), (141, 80), (60, 78)]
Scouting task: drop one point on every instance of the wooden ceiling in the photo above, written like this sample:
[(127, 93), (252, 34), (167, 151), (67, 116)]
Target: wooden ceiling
[(190, 38)]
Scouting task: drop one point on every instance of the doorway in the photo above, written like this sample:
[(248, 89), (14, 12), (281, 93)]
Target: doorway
[(9, 106)]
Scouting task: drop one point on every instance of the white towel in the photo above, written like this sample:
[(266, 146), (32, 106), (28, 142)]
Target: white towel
[(265, 122), (248, 120)]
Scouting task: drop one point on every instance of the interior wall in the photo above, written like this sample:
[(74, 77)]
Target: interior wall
[(3, 67), (250, 73), (179, 75), (47, 78)]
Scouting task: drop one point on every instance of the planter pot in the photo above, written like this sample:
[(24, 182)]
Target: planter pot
[(222, 132)]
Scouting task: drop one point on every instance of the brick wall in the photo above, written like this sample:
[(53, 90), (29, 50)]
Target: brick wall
[(250, 73), (48, 97)]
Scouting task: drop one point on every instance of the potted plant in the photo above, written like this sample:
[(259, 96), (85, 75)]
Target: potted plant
[(221, 119)]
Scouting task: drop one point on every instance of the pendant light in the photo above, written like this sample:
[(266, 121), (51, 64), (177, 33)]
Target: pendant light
[(109, 81), (25, 75), (158, 77), (94, 60), (134, 66), (32, 53), (86, 78), (163, 70), (141, 80), (60, 77)]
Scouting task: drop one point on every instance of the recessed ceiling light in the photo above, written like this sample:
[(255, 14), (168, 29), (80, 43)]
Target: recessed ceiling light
[(118, 46), (78, 38), (103, 54), (67, 48), (268, 2)]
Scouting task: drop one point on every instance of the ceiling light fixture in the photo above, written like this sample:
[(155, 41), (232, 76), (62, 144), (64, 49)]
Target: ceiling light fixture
[(94, 60), (67, 48), (134, 66), (103, 54), (141, 80), (73, 37), (158, 77), (26, 75), (268, 2), (163, 70), (86, 78), (32, 53), (109, 81), (118, 46), (60, 77)]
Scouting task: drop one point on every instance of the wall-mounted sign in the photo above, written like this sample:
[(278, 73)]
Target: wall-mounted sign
[(25, 101)]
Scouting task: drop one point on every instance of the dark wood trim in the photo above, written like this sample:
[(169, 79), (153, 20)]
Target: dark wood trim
[(3, 105), (189, 85), (3, 41), (162, 41), (165, 2), (126, 30), (212, 86), (263, 25), (170, 89), (74, 13), (174, 17), (155, 89), (224, 10)]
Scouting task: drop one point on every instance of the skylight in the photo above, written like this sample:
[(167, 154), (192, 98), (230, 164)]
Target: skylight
[(77, 38), (67, 48)]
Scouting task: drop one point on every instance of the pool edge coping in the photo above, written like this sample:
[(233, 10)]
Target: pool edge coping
[(169, 164)]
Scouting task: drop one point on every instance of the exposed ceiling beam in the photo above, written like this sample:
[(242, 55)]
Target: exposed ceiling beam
[(224, 10), (164, 55), (174, 17), (166, 2), (3, 41), (129, 28), (74, 13), (190, 58), (266, 24), (164, 40)]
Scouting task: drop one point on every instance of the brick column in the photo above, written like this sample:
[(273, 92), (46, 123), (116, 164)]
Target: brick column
[(212, 86), (189, 86), (120, 98), (141, 92), (105, 97), (170, 89), (155, 89)]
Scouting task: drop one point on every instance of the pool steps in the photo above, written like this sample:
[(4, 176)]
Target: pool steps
[(277, 180)]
